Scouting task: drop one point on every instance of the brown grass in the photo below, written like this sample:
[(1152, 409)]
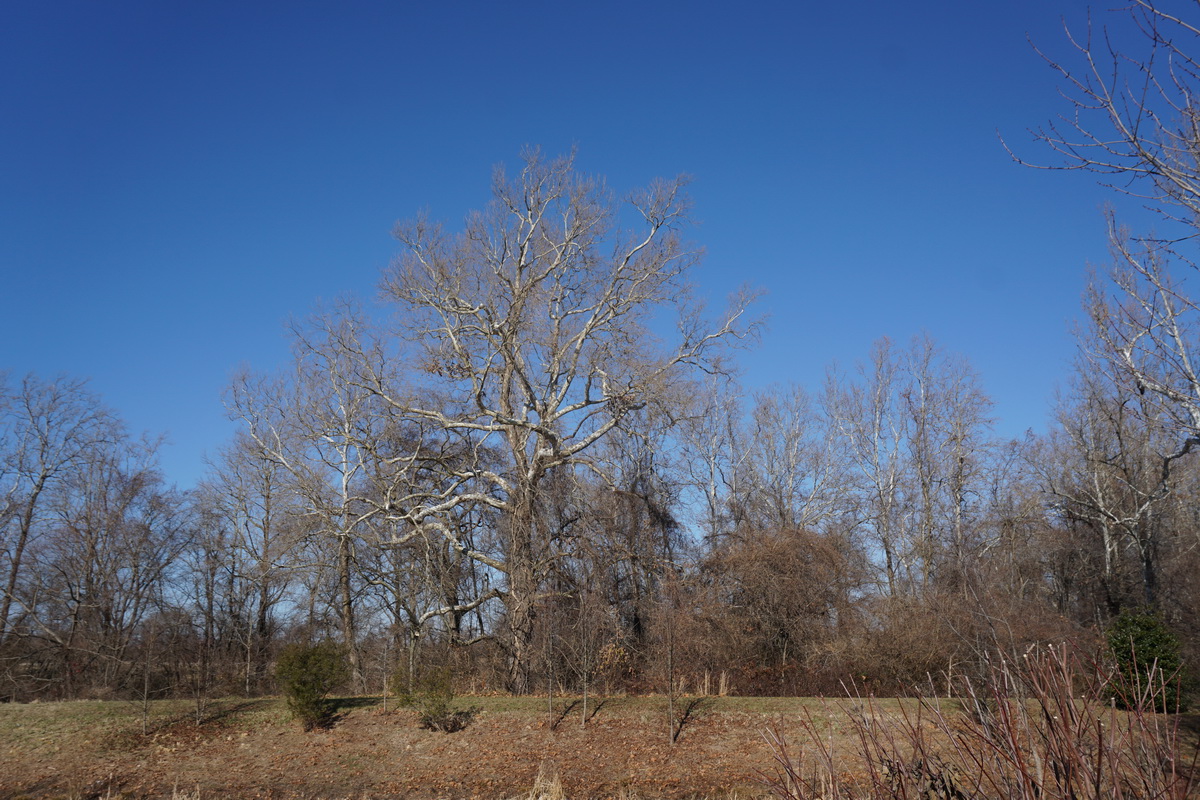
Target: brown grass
[(980, 745)]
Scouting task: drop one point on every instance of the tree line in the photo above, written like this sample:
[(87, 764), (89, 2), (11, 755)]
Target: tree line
[(534, 467), (779, 542)]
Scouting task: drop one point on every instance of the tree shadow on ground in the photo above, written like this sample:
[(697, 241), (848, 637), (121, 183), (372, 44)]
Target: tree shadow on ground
[(597, 705), (351, 703), (561, 714), (220, 712), (338, 708), (686, 712)]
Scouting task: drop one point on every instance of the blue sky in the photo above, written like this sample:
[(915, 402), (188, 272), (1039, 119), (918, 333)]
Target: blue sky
[(178, 179)]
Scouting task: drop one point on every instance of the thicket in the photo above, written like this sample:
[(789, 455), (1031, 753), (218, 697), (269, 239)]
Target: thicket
[(1037, 728)]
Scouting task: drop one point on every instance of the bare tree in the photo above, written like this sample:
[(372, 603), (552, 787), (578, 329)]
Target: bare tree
[(106, 559), (9, 483), (714, 437), (1134, 118), (246, 551), (1015, 527), (864, 409), (1108, 469), (425, 582), (1146, 337), (535, 333), (918, 435), (52, 428), (795, 464), (1132, 111), (320, 425), (948, 448)]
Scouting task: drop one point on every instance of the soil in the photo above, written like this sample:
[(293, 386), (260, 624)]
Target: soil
[(252, 749)]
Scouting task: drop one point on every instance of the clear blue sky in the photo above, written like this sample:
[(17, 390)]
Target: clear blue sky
[(178, 178)]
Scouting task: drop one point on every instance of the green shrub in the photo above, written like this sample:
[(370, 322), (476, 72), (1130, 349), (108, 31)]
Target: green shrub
[(435, 700), (307, 674), (1147, 657)]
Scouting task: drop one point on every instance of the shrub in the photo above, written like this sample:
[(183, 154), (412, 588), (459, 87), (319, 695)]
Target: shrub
[(1145, 651), (433, 699), (1049, 735), (307, 674)]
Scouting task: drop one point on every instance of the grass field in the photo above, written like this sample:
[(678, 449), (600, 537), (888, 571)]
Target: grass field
[(513, 747), (251, 748)]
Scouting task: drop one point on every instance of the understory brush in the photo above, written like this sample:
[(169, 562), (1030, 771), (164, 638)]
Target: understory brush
[(1048, 727), (432, 696)]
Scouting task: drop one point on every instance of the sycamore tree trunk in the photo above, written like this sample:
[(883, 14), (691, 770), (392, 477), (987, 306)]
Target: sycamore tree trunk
[(521, 600), (346, 607)]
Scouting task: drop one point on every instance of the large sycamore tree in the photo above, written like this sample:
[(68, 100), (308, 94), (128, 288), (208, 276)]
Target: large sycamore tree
[(526, 338)]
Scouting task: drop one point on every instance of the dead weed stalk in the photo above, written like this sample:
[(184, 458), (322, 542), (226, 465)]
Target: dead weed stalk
[(1046, 728)]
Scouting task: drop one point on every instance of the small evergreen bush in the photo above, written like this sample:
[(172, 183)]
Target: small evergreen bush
[(307, 674), (1147, 657)]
